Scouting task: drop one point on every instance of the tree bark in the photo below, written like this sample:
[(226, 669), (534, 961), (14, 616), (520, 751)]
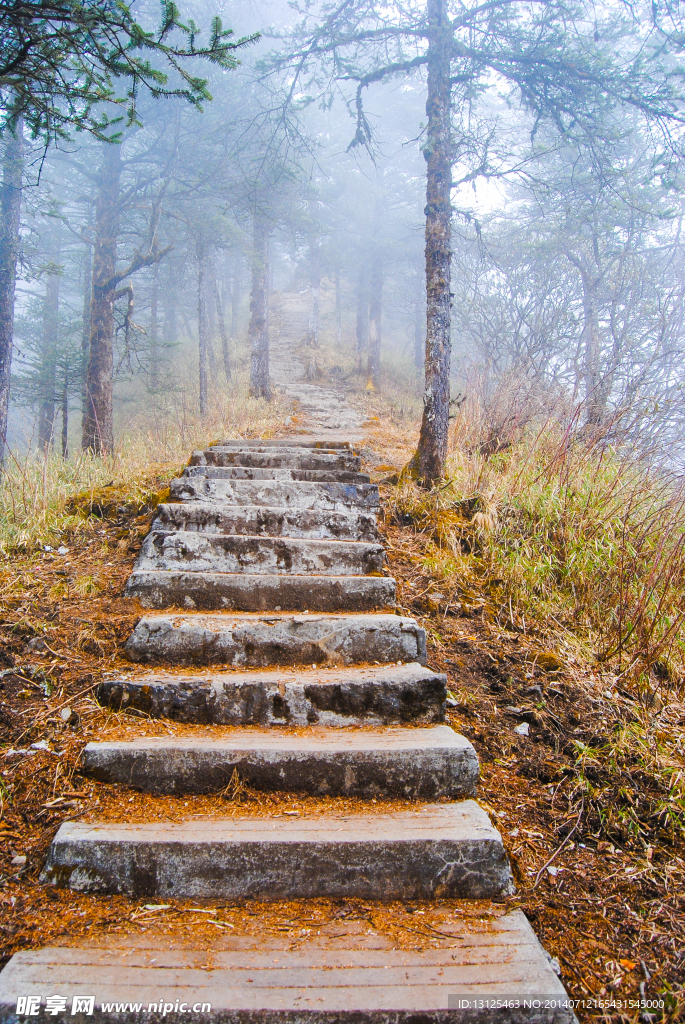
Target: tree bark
[(222, 324), (10, 209), (432, 448), (362, 336), (235, 295), (258, 330), (202, 326), (65, 413), (98, 428), (50, 339), (85, 329), (375, 315)]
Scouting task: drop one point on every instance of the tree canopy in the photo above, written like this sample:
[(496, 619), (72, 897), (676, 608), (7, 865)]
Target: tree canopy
[(61, 63)]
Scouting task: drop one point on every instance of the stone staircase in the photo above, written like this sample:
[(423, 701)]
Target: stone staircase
[(270, 614)]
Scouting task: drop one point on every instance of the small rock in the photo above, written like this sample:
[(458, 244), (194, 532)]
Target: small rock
[(522, 729), (62, 550), (65, 714), (46, 547), (40, 745), (548, 661), (18, 861), (534, 691), (551, 870), (287, 421)]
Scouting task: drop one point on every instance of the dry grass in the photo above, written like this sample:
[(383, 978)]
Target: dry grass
[(37, 492)]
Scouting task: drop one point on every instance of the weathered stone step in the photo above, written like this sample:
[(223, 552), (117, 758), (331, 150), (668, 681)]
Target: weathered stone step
[(439, 850), (277, 458), (262, 640), (270, 522), (191, 551), (338, 977), (333, 497), (329, 697), (422, 764), (256, 444), (250, 592), (341, 476)]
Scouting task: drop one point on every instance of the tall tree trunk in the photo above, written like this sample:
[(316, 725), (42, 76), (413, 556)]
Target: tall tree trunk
[(10, 209), (211, 321), (202, 326), (235, 295), (338, 307), (432, 448), (596, 396), (222, 324), (258, 330), (50, 340), (154, 329), (315, 286), (362, 336), (375, 314), (98, 429), (85, 326), (170, 326), (65, 413)]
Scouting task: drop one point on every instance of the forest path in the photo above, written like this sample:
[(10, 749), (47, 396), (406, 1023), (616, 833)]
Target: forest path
[(324, 409), (263, 579)]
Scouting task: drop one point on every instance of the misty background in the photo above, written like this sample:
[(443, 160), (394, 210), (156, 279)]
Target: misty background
[(567, 272)]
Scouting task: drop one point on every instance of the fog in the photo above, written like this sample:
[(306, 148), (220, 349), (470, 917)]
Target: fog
[(291, 210)]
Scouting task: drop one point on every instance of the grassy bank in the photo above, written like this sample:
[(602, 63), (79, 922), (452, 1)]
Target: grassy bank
[(43, 496)]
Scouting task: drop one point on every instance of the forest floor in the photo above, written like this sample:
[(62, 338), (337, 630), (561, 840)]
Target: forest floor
[(613, 914)]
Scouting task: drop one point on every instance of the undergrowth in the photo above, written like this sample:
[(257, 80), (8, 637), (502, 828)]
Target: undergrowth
[(573, 536), (45, 499), (581, 545)]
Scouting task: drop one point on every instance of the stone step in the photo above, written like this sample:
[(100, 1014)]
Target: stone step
[(250, 592), (330, 697), (336, 976), (262, 640), (442, 851), (258, 520), (417, 764), (191, 551), (290, 494), (277, 458), (257, 444), (340, 476)]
